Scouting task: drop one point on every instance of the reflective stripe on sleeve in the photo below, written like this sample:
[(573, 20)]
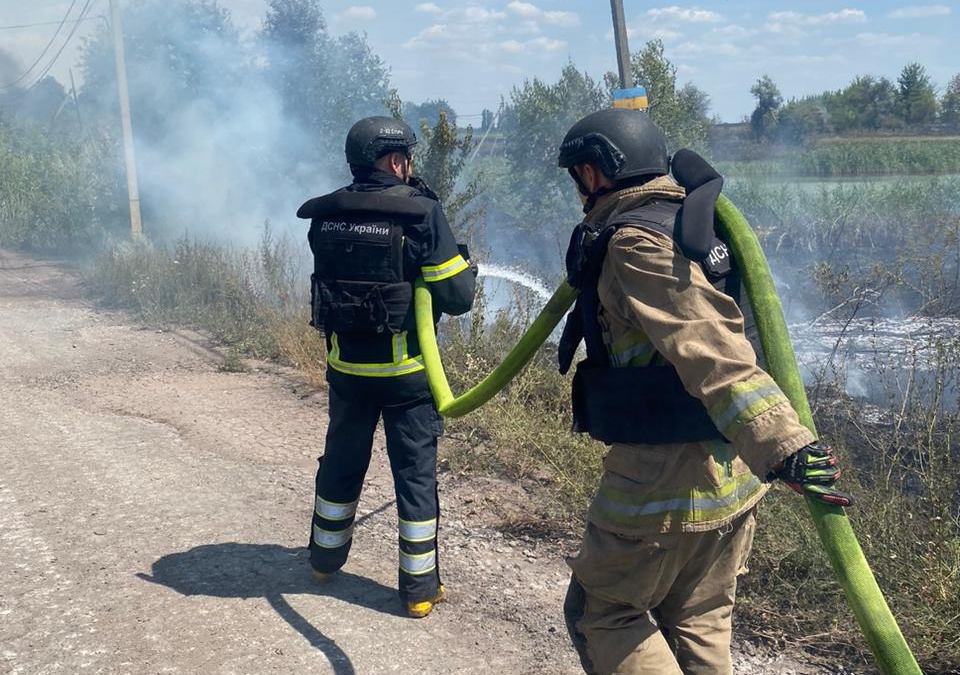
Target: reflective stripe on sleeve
[(334, 510), (745, 401), (452, 267), (331, 538), (637, 350), (423, 563), (417, 531)]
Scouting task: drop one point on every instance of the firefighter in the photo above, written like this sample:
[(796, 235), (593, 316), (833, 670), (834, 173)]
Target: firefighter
[(371, 240), (671, 383)]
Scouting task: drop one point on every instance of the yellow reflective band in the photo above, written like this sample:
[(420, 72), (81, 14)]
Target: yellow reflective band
[(744, 402), (423, 563), (331, 538), (400, 347), (418, 531), (634, 350), (400, 366), (335, 510), (377, 369), (452, 267), (688, 505)]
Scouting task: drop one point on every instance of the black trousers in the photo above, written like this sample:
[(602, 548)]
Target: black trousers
[(412, 425)]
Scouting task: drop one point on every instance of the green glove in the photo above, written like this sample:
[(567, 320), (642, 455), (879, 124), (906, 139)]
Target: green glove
[(812, 471)]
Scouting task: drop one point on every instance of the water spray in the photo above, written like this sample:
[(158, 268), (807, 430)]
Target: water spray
[(892, 654)]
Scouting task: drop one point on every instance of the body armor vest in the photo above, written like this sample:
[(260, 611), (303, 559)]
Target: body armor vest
[(358, 283), (639, 404)]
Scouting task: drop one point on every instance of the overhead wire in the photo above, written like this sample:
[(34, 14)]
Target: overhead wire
[(43, 23), (53, 61), (46, 49)]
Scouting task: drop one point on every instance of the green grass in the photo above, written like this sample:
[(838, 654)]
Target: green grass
[(856, 157)]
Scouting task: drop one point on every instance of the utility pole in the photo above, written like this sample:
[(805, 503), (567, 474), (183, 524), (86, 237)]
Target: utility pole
[(133, 190), (620, 39)]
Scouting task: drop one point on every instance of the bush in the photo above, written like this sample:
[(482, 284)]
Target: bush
[(57, 194)]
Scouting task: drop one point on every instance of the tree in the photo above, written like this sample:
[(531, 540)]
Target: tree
[(799, 119), (950, 103), (486, 120), (196, 60), (867, 103), (429, 112), (769, 99), (680, 113), (534, 122), (916, 98), (441, 157), (325, 83)]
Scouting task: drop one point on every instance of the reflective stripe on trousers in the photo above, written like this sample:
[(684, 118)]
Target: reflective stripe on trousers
[(331, 538), (418, 531), (334, 511), (417, 564)]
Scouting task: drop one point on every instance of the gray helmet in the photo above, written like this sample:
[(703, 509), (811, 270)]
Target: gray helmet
[(624, 143), (373, 137)]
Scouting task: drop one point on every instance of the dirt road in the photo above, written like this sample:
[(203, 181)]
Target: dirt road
[(154, 509)]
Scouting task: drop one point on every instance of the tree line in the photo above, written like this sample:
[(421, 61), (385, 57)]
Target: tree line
[(868, 103)]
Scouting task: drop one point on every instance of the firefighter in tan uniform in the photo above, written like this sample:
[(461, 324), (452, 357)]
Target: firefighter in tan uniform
[(695, 427)]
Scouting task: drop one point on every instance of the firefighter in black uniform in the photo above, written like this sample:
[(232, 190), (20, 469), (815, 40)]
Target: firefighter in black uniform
[(371, 240)]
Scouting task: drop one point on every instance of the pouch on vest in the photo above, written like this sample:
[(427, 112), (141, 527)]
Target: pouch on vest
[(637, 405), (357, 285), (359, 306)]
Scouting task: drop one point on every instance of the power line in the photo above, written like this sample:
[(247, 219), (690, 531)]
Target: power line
[(45, 49), (46, 23), (49, 66)]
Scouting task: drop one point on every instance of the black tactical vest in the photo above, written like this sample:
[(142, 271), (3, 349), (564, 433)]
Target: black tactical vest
[(638, 404), (358, 283)]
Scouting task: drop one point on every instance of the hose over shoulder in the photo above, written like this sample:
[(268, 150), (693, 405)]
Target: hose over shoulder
[(864, 597)]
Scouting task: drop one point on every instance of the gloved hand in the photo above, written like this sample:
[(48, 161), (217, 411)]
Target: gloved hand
[(812, 471)]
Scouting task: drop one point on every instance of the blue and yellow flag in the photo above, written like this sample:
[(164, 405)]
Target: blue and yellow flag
[(632, 99)]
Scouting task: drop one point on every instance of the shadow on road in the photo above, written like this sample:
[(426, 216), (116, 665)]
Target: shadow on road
[(234, 570)]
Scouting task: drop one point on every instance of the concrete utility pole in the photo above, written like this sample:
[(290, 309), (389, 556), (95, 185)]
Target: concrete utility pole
[(133, 190), (623, 49)]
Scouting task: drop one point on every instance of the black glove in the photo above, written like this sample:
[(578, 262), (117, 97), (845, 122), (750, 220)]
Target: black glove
[(812, 471)]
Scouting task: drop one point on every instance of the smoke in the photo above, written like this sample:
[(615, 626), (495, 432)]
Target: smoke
[(229, 132), (10, 68)]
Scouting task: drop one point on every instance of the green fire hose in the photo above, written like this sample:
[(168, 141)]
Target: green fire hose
[(880, 628), (513, 363)]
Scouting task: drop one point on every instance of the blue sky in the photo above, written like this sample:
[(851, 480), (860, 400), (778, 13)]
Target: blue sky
[(471, 52)]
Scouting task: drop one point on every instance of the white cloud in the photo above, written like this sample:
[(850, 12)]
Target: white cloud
[(478, 14), (362, 13), (685, 14), (540, 44), (648, 33), (530, 11), (888, 40), (429, 8), (524, 9), (919, 12), (733, 31), (841, 16), (717, 48)]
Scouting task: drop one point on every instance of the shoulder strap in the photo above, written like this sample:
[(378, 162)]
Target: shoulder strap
[(395, 200)]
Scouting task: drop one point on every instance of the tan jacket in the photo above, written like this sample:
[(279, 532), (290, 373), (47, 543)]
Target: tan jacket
[(657, 306)]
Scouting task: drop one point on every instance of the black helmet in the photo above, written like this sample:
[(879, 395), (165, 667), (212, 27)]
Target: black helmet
[(624, 143), (373, 137)]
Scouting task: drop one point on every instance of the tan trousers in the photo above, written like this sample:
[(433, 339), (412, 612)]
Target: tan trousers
[(660, 605)]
